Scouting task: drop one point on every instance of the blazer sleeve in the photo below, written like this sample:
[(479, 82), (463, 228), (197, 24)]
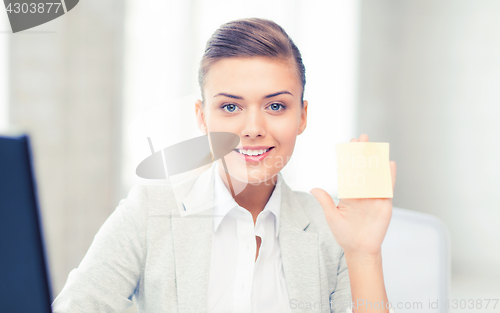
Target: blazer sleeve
[(340, 298), (109, 273)]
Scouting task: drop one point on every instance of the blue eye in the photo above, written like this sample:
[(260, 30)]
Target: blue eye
[(276, 106), (229, 107)]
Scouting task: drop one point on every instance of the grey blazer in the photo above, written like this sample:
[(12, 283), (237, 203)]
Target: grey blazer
[(146, 249)]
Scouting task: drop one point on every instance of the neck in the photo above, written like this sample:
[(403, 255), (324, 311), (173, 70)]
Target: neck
[(253, 197)]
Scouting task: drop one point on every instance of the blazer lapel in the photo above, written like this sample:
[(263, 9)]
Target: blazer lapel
[(192, 232), (300, 255)]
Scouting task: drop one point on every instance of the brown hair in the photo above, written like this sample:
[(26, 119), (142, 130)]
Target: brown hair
[(250, 37)]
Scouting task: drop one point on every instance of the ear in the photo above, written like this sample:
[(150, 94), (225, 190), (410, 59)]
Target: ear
[(303, 118), (200, 116)]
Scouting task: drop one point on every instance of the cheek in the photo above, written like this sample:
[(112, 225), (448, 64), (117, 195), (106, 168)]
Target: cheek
[(218, 121), (286, 134), (289, 144)]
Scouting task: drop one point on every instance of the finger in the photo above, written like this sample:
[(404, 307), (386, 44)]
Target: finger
[(363, 138), (353, 140), (393, 173), (326, 201)]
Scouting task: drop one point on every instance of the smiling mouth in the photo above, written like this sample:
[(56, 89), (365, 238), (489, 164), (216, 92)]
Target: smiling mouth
[(252, 152)]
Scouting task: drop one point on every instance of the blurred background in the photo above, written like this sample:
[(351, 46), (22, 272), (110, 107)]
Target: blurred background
[(423, 75)]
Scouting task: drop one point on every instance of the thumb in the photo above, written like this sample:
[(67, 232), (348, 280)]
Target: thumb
[(326, 202)]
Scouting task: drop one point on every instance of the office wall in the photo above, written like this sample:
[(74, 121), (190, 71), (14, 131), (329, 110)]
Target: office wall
[(429, 77), (65, 90), (4, 39)]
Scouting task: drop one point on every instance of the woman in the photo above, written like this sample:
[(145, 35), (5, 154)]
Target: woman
[(264, 248)]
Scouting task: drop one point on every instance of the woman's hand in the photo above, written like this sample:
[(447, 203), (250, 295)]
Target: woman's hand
[(358, 225)]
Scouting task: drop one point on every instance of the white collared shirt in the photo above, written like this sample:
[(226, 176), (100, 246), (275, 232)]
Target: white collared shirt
[(238, 282)]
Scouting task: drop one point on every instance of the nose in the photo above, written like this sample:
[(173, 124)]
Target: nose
[(254, 124)]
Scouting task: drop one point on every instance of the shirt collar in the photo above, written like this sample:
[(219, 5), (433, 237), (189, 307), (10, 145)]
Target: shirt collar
[(224, 202)]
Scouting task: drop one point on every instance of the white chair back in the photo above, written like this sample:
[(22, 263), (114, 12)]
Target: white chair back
[(417, 262)]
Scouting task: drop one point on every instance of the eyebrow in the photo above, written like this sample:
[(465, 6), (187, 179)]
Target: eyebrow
[(265, 97)]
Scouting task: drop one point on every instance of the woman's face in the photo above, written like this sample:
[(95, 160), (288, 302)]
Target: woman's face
[(259, 99)]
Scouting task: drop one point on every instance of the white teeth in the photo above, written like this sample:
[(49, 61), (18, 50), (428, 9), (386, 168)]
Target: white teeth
[(252, 152)]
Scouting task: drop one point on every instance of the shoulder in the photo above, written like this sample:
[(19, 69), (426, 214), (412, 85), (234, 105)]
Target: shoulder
[(155, 199), (145, 191)]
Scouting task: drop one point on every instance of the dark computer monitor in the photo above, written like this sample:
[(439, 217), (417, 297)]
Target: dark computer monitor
[(24, 279)]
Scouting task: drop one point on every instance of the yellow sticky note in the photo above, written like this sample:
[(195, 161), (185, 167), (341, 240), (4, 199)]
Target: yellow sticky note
[(363, 170)]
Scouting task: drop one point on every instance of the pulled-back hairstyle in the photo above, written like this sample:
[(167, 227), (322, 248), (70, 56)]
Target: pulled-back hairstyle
[(250, 37)]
